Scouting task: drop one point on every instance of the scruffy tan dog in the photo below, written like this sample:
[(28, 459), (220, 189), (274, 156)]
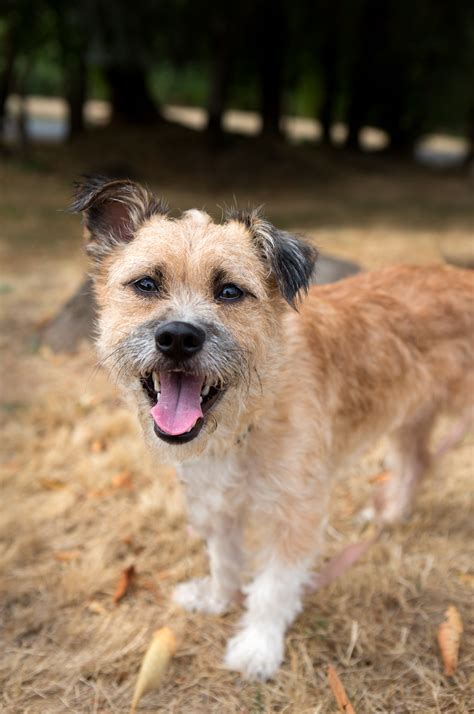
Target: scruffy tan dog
[(258, 404)]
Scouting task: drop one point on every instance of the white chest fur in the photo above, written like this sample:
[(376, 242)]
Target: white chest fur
[(214, 485)]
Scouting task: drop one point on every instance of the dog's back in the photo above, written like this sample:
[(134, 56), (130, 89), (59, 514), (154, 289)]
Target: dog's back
[(391, 350), (391, 342)]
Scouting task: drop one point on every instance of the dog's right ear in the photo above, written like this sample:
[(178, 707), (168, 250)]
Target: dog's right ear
[(113, 210), (290, 259)]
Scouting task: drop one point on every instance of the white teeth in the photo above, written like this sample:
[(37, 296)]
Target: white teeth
[(156, 382), (200, 400), (205, 390)]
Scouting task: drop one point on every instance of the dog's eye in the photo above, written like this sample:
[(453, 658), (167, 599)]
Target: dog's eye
[(230, 293), (145, 285)]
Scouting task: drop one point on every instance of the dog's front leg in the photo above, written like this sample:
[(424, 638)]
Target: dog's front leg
[(274, 598), (223, 534)]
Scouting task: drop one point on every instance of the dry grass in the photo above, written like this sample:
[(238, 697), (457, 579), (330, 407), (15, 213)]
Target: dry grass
[(72, 521)]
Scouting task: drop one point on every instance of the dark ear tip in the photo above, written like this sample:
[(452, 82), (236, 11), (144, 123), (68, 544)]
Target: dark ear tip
[(95, 187), (85, 190), (294, 263)]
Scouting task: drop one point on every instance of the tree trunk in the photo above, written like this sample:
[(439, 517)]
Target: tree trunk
[(329, 68), (355, 118), (6, 76), (220, 78), (360, 87), (72, 34), (23, 145), (76, 94), (131, 100), (271, 45), (401, 141), (469, 160)]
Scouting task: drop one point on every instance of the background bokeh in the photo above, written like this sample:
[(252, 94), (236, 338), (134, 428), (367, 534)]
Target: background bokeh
[(403, 67)]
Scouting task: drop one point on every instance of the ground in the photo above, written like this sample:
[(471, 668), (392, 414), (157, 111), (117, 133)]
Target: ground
[(82, 501)]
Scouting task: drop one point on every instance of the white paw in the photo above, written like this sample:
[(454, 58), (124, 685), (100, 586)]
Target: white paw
[(198, 595), (256, 652)]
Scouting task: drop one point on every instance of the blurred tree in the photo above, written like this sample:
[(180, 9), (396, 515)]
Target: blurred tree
[(330, 51), (72, 30), (410, 68), (122, 42), (365, 17), (402, 66), (271, 39), (9, 36), (221, 35)]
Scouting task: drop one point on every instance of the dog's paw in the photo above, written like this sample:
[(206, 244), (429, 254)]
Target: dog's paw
[(198, 595), (256, 652)]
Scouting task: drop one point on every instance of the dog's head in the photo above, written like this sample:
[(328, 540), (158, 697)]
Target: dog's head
[(189, 309)]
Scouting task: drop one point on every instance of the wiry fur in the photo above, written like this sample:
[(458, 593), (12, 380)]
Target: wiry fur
[(290, 260), (381, 353), (114, 210)]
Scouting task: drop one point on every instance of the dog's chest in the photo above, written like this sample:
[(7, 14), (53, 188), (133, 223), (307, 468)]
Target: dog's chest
[(213, 485)]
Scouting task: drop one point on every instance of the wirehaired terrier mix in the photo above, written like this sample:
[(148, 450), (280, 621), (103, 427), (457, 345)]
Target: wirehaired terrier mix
[(258, 404)]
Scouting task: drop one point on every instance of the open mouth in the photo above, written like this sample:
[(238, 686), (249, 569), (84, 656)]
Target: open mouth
[(180, 402)]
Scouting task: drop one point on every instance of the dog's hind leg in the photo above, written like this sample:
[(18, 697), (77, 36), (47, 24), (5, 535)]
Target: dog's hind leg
[(408, 459), (457, 433)]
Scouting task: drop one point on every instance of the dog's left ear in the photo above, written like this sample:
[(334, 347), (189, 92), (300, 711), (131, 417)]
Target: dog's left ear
[(291, 259), (113, 209)]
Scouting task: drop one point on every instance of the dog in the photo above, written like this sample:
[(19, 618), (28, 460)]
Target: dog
[(260, 389)]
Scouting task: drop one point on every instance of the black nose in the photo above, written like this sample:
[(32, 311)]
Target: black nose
[(179, 340)]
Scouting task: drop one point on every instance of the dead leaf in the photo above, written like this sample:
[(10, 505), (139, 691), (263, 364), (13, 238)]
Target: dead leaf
[(123, 480), (339, 692), (97, 446), (150, 585), (67, 555), (449, 638), (97, 493), (52, 484), (381, 477), (154, 664), (467, 579), (124, 584), (96, 607)]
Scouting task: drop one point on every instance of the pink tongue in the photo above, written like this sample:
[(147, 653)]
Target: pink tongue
[(179, 406)]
